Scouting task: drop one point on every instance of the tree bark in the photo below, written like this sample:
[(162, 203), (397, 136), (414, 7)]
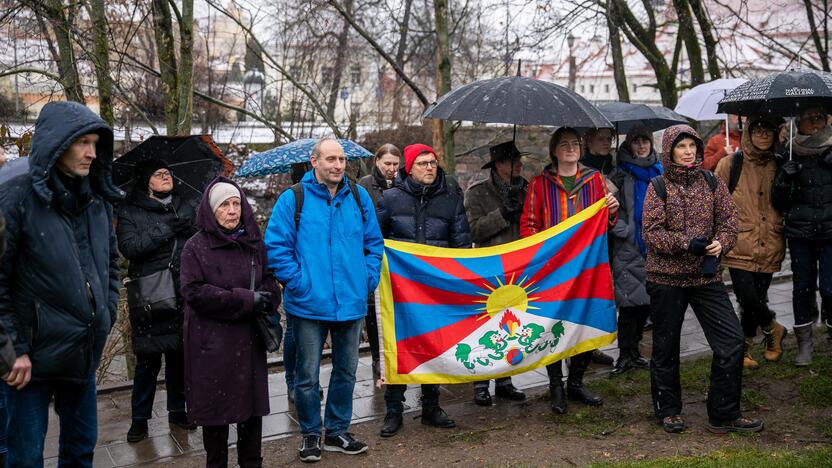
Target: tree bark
[(706, 28), (163, 28), (102, 60), (618, 61), (443, 83), (688, 33), (60, 22), (185, 76), (400, 51), (823, 52), (340, 62)]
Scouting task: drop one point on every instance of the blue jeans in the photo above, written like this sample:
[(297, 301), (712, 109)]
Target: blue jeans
[(28, 420), (289, 353), (309, 341), (811, 261)]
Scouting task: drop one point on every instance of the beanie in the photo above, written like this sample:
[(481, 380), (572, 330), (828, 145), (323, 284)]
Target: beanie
[(144, 171), (220, 192), (412, 152)]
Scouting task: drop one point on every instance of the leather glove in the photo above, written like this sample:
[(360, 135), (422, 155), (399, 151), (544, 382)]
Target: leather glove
[(792, 168), (698, 245), (263, 303), (181, 226)]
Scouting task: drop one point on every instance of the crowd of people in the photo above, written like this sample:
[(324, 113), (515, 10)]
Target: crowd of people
[(203, 278)]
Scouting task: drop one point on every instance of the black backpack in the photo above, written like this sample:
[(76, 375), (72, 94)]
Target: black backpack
[(660, 187), (298, 190), (736, 169)]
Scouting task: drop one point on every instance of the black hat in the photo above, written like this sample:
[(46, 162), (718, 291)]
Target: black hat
[(144, 170), (502, 152)]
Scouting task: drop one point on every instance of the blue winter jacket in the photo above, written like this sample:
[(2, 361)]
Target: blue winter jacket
[(331, 261)]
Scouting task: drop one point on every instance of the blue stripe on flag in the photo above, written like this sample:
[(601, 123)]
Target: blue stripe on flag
[(412, 268), (595, 313), (549, 246), (418, 319), (597, 250)]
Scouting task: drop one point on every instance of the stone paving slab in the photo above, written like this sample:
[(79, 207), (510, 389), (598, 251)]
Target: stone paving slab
[(167, 443)]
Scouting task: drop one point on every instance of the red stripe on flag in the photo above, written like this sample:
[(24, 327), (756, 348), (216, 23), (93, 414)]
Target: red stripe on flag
[(517, 261), (592, 283), (416, 350), (409, 291), (457, 270), (583, 237)]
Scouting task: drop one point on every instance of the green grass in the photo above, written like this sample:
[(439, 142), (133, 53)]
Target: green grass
[(696, 375), (824, 426), (754, 398), (736, 459), (816, 390)]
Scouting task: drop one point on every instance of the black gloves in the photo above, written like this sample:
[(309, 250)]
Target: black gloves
[(181, 226), (709, 266), (698, 245), (263, 303), (792, 168), (512, 203)]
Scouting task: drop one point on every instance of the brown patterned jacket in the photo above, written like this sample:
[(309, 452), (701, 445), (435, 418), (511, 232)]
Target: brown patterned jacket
[(691, 210)]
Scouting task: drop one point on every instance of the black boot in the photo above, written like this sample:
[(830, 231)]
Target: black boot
[(600, 357), (436, 417), (137, 432), (575, 383), (509, 392), (180, 419), (557, 398), (624, 364), (638, 359), (482, 397), (392, 424)]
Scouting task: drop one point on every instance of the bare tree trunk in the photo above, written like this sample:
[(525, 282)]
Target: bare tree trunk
[(823, 52), (70, 80), (185, 111), (445, 144), (400, 51), (102, 60), (706, 28), (340, 62), (618, 61), (163, 27), (688, 33)]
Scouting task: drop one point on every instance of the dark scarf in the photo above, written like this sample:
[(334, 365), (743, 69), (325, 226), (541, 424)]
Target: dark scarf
[(602, 164), (382, 182), (235, 233), (642, 171)]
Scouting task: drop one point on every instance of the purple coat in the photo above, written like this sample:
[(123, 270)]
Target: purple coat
[(225, 359)]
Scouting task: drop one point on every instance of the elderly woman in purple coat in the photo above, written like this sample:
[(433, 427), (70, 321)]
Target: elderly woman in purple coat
[(225, 285)]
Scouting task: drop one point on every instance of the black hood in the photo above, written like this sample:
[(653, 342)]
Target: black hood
[(58, 126)]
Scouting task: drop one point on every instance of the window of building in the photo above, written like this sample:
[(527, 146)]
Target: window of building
[(326, 75), (355, 109), (607, 88), (583, 89), (591, 88), (635, 87), (355, 75)]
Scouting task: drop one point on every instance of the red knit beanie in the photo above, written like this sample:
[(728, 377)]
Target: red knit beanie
[(414, 151)]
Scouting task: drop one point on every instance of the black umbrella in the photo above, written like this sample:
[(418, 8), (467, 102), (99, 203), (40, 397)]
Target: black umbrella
[(625, 116), (194, 161), (517, 100), (782, 94)]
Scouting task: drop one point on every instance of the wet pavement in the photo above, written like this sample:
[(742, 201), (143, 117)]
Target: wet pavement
[(166, 443)]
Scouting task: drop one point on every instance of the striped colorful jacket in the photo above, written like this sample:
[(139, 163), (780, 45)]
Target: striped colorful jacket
[(548, 203)]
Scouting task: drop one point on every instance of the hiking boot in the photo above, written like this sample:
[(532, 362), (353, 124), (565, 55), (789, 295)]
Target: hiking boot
[(437, 417), (557, 398), (804, 345), (673, 424), (138, 431), (623, 365), (180, 420), (310, 451), (392, 424), (599, 357), (580, 393), (748, 362), (773, 341), (344, 443), (741, 424), (482, 397), (509, 392)]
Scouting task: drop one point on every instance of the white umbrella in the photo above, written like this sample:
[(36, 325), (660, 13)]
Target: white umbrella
[(700, 102)]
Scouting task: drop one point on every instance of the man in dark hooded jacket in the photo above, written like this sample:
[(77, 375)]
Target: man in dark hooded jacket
[(59, 281)]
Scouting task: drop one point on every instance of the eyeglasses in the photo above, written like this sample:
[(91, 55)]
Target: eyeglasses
[(762, 131), (569, 144), (425, 164), (162, 174)]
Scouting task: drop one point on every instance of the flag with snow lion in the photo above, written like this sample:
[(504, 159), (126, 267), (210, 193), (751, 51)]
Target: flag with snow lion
[(460, 315)]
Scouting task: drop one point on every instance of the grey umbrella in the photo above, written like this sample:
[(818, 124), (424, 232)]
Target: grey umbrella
[(625, 116), (517, 100)]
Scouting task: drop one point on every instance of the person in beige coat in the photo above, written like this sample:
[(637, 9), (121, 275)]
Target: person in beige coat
[(760, 248)]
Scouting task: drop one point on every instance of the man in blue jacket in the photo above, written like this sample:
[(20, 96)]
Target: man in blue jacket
[(59, 282), (328, 260)]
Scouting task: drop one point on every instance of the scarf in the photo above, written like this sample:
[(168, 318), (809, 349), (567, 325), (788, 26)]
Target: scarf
[(807, 145), (235, 233), (642, 176)]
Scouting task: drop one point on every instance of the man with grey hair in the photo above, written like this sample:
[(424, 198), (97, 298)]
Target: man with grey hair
[(325, 247)]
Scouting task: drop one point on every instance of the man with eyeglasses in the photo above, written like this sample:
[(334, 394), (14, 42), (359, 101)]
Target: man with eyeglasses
[(422, 208), (803, 192)]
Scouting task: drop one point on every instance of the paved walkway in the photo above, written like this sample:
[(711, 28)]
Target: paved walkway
[(166, 443)]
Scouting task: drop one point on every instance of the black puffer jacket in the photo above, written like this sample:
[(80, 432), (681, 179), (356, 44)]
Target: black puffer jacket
[(7, 356), (146, 240), (432, 215), (375, 183), (59, 279), (806, 198)]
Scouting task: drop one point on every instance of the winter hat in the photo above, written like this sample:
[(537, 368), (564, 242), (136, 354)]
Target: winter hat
[(144, 171), (503, 151), (220, 192), (412, 152)]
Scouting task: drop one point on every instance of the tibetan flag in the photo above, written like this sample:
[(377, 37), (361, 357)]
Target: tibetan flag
[(461, 315)]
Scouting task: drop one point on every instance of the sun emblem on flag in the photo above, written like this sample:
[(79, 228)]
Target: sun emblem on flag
[(509, 296)]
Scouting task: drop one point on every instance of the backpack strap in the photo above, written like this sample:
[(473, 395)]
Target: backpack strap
[(298, 191), (736, 170), (711, 179), (659, 187), (357, 197)]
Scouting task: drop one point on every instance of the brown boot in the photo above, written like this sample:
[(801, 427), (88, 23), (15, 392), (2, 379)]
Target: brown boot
[(747, 361), (773, 341)]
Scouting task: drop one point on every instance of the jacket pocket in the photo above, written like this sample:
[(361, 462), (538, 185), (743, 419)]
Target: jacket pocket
[(62, 348)]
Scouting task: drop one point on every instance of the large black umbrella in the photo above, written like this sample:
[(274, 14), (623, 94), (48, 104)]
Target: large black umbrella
[(782, 94), (625, 116), (517, 100), (194, 161)]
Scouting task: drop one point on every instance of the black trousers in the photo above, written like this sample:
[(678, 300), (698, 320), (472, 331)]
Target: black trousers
[(631, 322), (394, 397), (249, 435), (371, 323), (722, 330), (752, 294), (577, 367), (144, 383), (811, 262)]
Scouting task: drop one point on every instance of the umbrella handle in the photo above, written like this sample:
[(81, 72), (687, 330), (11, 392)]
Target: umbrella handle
[(727, 138)]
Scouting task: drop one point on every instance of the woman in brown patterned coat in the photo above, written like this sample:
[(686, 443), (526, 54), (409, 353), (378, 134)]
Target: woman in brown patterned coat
[(687, 225)]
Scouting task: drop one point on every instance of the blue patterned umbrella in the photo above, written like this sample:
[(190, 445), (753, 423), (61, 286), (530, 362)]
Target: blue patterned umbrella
[(279, 160)]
